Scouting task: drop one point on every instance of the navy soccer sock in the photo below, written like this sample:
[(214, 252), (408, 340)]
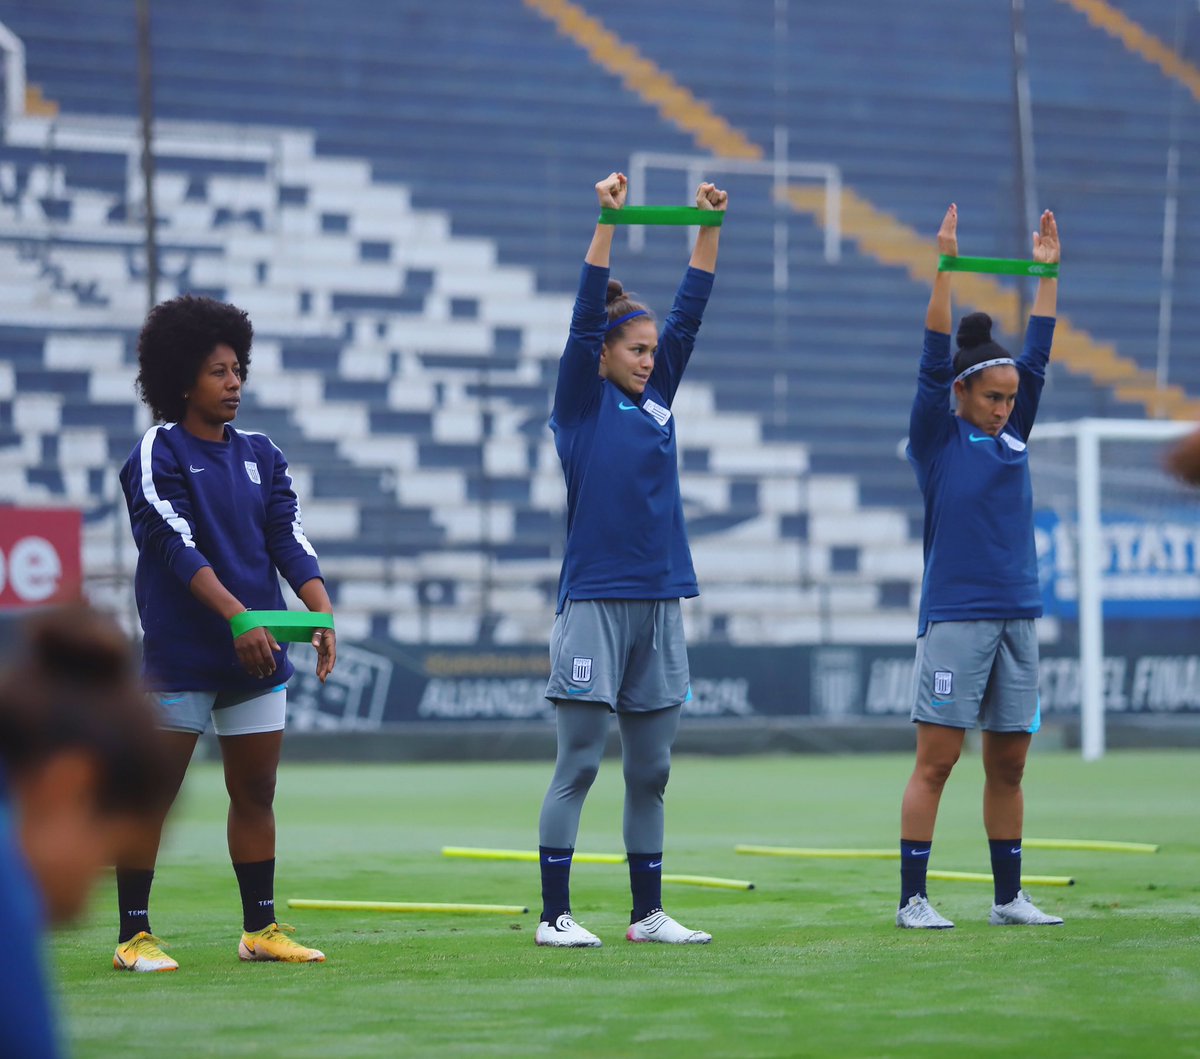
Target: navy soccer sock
[(914, 862), (256, 881), (133, 901), (556, 882), (645, 882), (1006, 868)]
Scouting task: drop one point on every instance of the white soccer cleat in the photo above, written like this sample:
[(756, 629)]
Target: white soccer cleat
[(565, 933), (1021, 912), (658, 926), (919, 914)]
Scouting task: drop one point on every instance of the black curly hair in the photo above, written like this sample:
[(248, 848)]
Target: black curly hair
[(176, 339)]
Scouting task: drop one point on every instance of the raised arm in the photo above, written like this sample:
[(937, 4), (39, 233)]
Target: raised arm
[(611, 192), (1046, 250), (1039, 333), (938, 315), (579, 367), (704, 253), (931, 418), (678, 337)]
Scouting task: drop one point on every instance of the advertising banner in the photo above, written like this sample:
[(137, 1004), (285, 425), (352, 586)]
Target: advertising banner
[(39, 556), (1149, 568), (379, 683)]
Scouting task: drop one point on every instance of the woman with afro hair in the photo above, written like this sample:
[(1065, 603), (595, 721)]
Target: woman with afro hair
[(215, 520)]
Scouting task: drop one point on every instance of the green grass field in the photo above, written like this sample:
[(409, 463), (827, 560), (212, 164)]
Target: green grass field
[(808, 964)]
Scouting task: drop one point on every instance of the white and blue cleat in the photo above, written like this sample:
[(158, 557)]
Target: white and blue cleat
[(1021, 912), (919, 914)]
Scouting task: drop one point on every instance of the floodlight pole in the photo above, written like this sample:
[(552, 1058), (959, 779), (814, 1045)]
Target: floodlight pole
[(146, 104), (1026, 177)]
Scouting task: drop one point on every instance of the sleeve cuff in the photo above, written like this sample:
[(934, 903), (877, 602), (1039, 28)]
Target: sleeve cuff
[(302, 571), (699, 281), (937, 342), (1041, 325), (188, 563)]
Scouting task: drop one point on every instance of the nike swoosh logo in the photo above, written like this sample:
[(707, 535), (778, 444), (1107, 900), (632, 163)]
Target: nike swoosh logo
[(1015, 850), (654, 864), (941, 702), (171, 702), (627, 407), (975, 437), (195, 470), (919, 853), (557, 860), (578, 691)]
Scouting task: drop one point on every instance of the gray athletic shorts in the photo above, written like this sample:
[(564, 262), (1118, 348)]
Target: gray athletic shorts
[(627, 653), (985, 671), (232, 712)]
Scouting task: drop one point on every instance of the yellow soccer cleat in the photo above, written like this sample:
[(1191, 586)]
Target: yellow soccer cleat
[(143, 953), (273, 943)]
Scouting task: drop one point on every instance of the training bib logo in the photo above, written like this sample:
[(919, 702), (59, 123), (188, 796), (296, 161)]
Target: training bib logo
[(581, 670), (943, 682), (657, 412), (252, 471)]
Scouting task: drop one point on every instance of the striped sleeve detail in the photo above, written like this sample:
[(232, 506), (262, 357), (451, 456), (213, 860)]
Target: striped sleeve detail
[(168, 513)]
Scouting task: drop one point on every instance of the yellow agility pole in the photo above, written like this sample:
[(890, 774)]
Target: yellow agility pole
[(827, 854), (1089, 845), (406, 906), (476, 853), (714, 881), (986, 877)]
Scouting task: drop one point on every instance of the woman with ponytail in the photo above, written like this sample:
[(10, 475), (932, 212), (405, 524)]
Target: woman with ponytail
[(977, 651), (617, 643)]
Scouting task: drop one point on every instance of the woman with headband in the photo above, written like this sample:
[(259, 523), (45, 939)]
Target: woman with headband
[(977, 651), (617, 643)]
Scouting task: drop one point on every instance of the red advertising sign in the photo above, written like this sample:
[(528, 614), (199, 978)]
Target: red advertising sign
[(39, 556)]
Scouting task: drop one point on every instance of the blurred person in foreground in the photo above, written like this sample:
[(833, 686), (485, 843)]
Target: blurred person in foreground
[(78, 772)]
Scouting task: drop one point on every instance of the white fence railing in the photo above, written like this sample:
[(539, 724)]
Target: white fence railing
[(780, 170)]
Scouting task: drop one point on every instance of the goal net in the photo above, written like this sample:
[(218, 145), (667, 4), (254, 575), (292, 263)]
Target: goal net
[(1118, 541)]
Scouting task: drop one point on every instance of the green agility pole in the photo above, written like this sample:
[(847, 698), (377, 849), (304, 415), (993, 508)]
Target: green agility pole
[(677, 215), (407, 906), (1001, 266)]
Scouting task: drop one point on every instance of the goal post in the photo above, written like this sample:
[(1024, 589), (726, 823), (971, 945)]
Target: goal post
[(1091, 477)]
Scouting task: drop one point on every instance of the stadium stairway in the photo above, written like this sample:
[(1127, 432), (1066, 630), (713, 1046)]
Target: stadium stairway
[(432, 98)]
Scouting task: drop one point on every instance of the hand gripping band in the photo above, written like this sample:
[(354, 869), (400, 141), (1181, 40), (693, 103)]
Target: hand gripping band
[(1002, 266), (623, 319), (287, 626), (998, 362), (679, 215)]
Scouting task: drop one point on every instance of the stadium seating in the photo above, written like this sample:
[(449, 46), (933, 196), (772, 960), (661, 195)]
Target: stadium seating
[(401, 204)]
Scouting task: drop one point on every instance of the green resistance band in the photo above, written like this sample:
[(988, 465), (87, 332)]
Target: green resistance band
[(1001, 266), (287, 626), (681, 215)]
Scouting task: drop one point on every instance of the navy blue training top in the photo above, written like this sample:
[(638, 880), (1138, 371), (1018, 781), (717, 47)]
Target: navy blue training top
[(228, 505), (980, 560), (626, 537)]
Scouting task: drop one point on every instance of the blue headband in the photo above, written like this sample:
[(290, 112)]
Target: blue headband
[(622, 319)]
